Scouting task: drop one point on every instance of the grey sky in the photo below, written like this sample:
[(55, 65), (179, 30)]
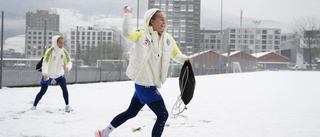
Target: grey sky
[(273, 13)]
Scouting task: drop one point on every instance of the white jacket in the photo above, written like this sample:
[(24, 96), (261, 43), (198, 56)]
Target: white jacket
[(54, 60), (149, 61)]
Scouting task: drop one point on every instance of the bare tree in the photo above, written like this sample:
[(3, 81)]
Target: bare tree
[(308, 30)]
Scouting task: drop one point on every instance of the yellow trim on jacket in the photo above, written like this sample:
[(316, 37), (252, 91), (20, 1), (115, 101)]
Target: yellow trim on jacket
[(135, 35)]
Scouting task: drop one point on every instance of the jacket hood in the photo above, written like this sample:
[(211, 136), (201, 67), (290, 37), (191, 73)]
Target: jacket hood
[(147, 18), (55, 43)]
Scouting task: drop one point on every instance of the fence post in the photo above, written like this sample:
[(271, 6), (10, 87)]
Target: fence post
[(1, 67)]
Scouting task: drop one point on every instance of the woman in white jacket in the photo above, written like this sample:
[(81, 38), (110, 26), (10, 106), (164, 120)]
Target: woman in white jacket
[(53, 68), (148, 68)]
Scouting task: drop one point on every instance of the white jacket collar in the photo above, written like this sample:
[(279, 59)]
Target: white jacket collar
[(55, 43)]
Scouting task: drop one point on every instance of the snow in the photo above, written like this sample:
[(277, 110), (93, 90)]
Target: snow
[(257, 104)]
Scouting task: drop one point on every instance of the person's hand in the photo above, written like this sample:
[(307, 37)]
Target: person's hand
[(45, 77), (67, 71), (127, 10), (190, 60)]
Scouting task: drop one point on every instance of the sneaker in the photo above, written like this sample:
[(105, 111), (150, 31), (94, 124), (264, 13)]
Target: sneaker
[(33, 108), (98, 133), (68, 109)]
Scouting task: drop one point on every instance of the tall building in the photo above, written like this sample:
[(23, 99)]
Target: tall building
[(183, 20), (40, 28), (251, 40), (90, 36)]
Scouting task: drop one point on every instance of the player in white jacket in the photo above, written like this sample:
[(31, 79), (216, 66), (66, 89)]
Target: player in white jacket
[(53, 68), (148, 68)]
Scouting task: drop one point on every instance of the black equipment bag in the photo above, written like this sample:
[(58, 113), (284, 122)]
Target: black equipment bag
[(39, 65), (187, 82)]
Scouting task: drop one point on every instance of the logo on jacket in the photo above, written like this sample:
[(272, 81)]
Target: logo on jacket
[(54, 57), (168, 42), (146, 42)]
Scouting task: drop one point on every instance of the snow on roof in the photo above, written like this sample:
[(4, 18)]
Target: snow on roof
[(231, 53), (258, 55), (200, 53)]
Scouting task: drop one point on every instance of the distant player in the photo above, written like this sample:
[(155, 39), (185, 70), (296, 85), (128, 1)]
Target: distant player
[(53, 68)]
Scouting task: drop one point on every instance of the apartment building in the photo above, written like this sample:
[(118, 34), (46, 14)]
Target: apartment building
[(252, 40), (40, 28), (90, 36), (210, 40), (183, 20)]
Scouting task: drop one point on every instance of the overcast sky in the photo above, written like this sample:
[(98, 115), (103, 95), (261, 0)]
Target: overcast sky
[(272, 13)]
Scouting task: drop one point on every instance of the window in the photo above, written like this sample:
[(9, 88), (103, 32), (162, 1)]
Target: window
[(190, 8), (183, 7), (264, 37), (264, 31), (157, 2)]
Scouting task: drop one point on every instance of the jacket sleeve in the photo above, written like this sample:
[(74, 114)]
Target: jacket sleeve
[(67, 59), (127, 31), (176, 54), (45, 62)]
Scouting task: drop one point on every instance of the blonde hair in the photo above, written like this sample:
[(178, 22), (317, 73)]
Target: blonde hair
[(154, 17)]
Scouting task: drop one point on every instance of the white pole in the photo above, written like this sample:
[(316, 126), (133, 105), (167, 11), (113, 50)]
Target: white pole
[(256, 22)]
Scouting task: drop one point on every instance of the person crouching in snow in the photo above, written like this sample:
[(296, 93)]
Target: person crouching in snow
[(148, 68), (53, 68)]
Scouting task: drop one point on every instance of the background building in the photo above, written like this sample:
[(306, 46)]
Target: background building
[(290, 48), (90, 36), (40, 28), (183, 20), (210, 40), (251, 41)]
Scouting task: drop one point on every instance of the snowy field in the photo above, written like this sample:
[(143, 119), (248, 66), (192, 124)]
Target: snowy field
[(258, 104)]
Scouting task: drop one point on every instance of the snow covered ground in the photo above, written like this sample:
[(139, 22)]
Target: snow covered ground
[(258, 104)]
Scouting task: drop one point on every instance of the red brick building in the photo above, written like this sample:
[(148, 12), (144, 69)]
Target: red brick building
[(271, 61)]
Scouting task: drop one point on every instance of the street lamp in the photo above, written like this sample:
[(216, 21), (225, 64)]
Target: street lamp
[(137, 14), (256, 22), (221, 42)]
